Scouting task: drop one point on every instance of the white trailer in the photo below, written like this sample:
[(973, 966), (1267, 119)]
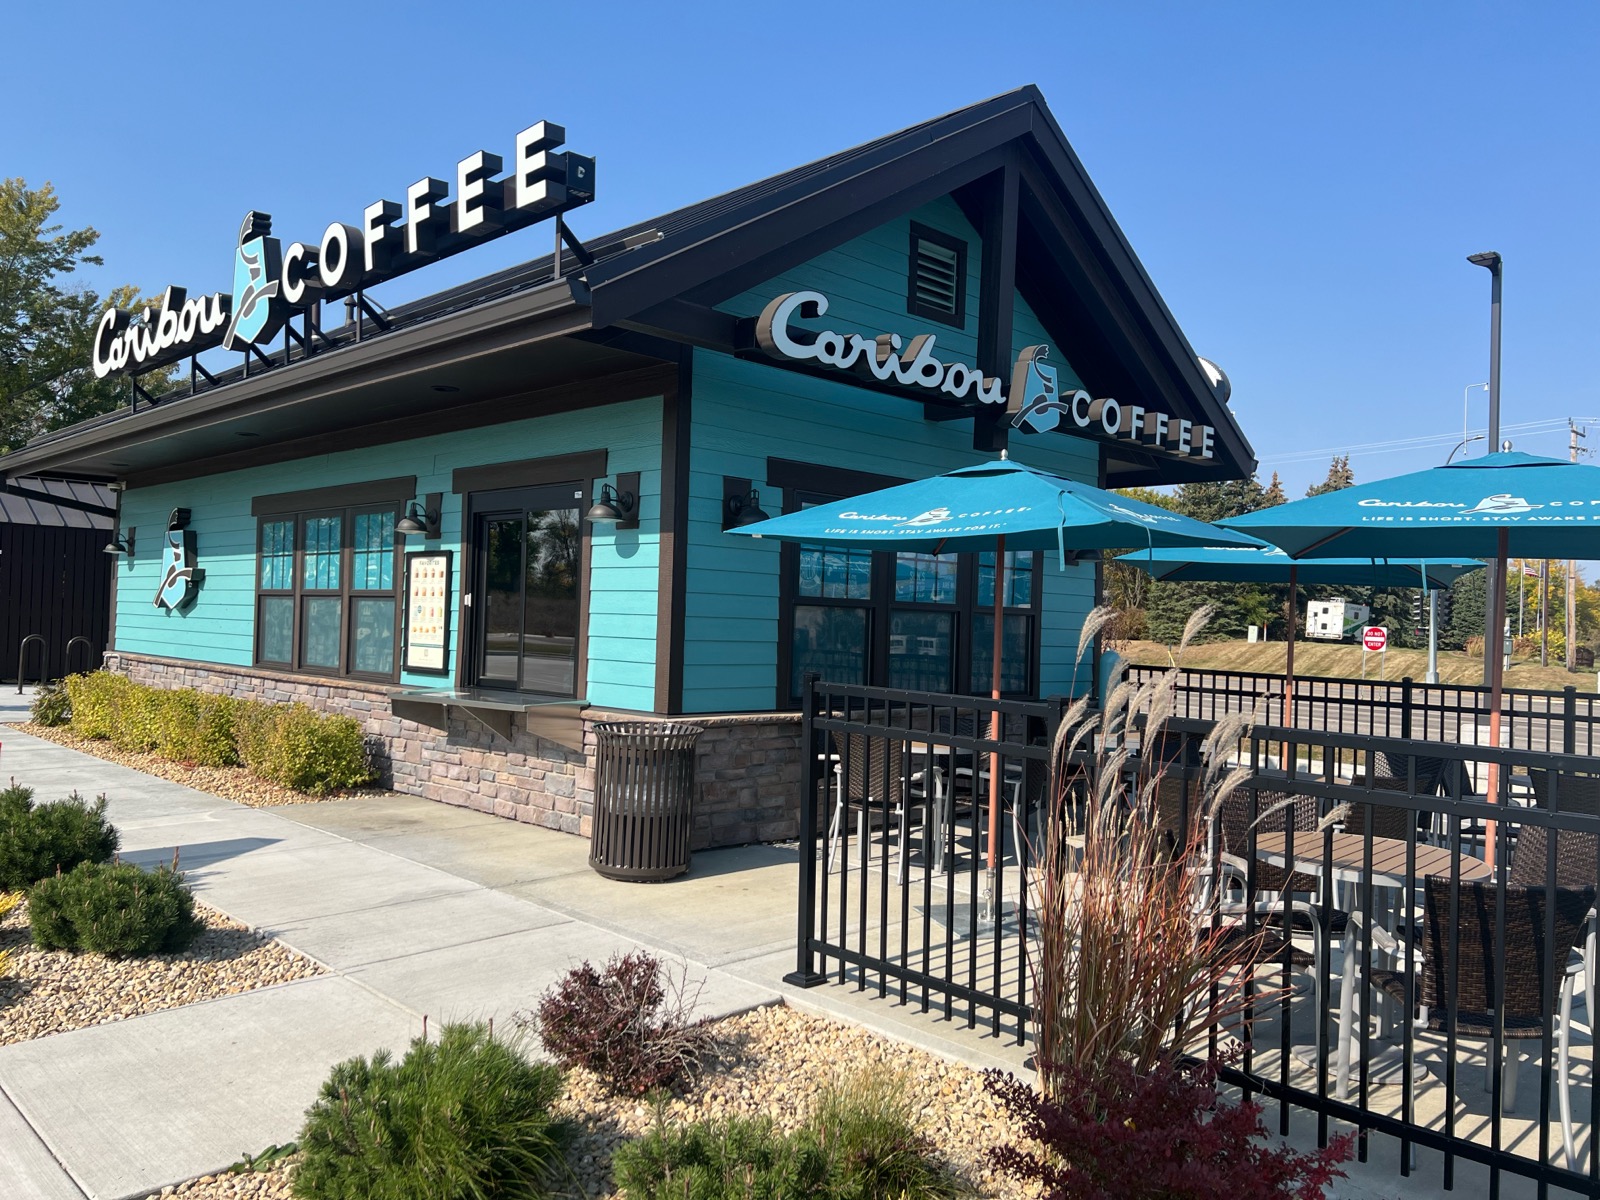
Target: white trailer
[(1336, 620)]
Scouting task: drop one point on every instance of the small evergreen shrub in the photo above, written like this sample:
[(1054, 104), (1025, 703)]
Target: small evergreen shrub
[(858, 1143), (464, 1118), (116, 909), (1152, 1135), (51, 705), (38, 841), (630, 1023)]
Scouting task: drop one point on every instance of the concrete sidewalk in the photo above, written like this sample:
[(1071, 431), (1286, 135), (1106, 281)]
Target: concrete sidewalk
[(119, 1110)]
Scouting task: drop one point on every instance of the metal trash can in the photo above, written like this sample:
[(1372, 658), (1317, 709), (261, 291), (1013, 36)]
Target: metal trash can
[(643, 799)]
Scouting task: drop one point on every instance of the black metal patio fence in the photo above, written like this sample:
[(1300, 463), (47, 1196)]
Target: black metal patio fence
[(1566, 721), (1412, 933), (897, 894)]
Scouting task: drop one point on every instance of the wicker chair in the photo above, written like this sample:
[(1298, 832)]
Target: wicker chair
[(873, 771), (1469, 1005), (1575, 868), (1574, 793)]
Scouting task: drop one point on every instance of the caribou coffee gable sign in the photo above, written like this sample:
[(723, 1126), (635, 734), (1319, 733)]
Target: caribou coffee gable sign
[(1033, 401), (271, 284)]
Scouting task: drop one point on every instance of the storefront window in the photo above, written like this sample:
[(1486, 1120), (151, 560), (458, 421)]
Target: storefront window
[(911, 620), (325, 592)]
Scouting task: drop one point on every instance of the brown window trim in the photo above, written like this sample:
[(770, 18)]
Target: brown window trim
[(795, 478), (346, 594), (586, 465), (373, 492)]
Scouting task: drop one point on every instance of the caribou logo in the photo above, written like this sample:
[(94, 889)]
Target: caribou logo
[(1502, 504), (257, 268), (1035, 392), (180, 578)]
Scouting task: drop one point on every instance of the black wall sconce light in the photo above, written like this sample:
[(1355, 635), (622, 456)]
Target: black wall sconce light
[(741, 503), (617, 506), (121, 545), (421, 518)]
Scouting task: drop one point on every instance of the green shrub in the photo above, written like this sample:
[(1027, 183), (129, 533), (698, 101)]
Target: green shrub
[(51, 705), (465, 1117), (195, 727), (136, 719), (95, 699), (302, 749), (857, 1143), (38, 841), (116, 909)]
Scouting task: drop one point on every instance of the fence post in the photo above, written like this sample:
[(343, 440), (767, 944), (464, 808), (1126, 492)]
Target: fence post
[(1569, 720), (805, 973), (1405, 708)]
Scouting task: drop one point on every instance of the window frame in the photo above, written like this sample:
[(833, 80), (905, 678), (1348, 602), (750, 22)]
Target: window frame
[(914, 306), (881, 605), (346, 593)]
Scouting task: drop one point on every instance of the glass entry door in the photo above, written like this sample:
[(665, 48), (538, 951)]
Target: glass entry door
[(529, 549)]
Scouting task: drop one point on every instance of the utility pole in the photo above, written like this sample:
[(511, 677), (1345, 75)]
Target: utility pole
[(1573, 434), (1495, 608)]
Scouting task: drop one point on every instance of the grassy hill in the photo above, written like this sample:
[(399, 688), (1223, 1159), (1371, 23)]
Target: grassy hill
[(1339, 660)]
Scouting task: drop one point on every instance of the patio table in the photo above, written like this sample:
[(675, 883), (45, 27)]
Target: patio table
[(1349, 866)]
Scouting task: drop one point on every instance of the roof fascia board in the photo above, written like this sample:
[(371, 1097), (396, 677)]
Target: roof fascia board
[(734, 253), (534, 316), (1099, 224), (1126, 326)]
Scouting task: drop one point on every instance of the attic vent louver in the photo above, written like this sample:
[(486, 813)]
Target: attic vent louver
[(937, 286)]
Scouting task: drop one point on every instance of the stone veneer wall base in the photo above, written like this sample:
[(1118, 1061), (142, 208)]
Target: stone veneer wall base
[(747, 769)]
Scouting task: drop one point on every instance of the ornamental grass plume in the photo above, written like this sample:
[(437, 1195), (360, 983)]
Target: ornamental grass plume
[(1137, 964)]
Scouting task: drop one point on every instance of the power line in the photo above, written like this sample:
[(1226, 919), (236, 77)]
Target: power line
[(1397, 445)]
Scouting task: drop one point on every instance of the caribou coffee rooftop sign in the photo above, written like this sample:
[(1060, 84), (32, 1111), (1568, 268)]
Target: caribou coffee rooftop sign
[(1033, 399), (271, 284)]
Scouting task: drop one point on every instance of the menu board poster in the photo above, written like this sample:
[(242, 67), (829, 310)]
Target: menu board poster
[(428, 612)]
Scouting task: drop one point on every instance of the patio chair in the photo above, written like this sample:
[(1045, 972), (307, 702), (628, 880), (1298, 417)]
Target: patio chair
[(1278, 812), (1574, 793), (875, 771), (1575, 868), (1467, 1003)]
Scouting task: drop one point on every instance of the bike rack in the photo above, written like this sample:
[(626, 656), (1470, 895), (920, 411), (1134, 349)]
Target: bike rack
[(88, 653), (44, 657)]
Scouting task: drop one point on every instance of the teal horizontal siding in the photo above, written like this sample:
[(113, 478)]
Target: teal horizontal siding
[(746, 411), (220, 626)]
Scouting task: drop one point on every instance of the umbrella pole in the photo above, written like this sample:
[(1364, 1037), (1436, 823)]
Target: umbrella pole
[(995, 728), (1288, 673), (1494, 641)]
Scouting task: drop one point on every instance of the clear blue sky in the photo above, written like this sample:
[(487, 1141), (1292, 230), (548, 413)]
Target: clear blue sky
[(1303, 182)]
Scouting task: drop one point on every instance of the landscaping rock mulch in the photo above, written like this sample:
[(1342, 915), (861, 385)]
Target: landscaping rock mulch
[(769, 1062), (230, 783), (53, 991)]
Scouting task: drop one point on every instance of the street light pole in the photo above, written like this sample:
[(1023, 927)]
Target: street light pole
[(1494, 619)]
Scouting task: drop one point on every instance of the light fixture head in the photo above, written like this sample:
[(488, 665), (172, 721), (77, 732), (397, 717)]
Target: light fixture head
[(418, 519), (612, 507), (1489, 260), (745, 510), (120, 545)]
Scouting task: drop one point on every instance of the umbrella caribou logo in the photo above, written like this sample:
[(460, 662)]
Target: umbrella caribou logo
[(180, 578), (934, 516), (1502, 504)]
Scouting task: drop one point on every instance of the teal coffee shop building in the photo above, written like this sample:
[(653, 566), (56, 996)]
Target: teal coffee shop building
[(483, 521)]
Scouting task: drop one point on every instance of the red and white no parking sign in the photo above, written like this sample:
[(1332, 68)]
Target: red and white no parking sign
[(1375, 637)]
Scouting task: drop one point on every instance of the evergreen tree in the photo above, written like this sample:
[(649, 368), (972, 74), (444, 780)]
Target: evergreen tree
[(1340, 476), (1274, 494), (1468, 596)]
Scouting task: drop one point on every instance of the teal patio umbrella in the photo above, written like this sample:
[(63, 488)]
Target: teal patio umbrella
[(994, 506), (1490, 507), (1266, 563)]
